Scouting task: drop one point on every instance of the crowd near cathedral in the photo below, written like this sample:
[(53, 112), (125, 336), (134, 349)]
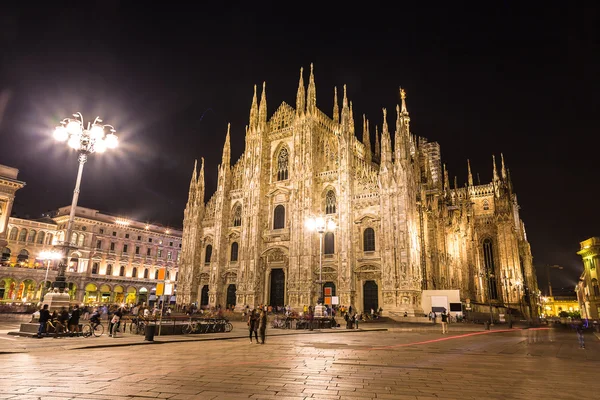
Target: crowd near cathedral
[(402, 226)]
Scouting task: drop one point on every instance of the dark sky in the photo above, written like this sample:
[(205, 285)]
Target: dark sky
[(482, 78)]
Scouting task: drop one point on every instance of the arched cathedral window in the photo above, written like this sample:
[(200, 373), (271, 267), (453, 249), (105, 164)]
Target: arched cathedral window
[(329, 243), (234, 252), (237, 215), (369, 239), (109, 269), (490, 267), (207, 254), (330, 202), (282, 164), (279, 217)]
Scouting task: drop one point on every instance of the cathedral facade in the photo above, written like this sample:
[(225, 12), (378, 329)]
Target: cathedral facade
[(401, 226)]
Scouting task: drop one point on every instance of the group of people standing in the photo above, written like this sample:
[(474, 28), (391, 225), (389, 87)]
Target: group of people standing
[(257, 323), (65, 321)]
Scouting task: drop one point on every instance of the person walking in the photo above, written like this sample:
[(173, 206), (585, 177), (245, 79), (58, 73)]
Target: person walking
[(74, 320), (253, 325), (579, 329), (115, 322), (262, 326), (444, 322), (44, 317)]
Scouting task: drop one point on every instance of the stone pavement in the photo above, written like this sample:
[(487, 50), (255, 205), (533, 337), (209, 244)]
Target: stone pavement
[(521, 364), (28, 344)]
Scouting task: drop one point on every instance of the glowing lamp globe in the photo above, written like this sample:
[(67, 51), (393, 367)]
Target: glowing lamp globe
[(74, 127), (111, 141), (61, 134), (74, 142), (310, 224), (97, 132), (100, 146)]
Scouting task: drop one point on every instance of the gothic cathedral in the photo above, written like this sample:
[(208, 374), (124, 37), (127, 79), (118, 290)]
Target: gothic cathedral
[(401, 226)]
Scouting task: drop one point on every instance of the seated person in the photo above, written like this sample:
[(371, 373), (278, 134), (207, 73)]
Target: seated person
[(63, 318)]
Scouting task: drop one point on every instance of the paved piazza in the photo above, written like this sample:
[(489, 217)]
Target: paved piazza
[(523, 364)]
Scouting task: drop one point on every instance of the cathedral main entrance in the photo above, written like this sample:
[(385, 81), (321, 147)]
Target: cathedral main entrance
[(204, 296), (277, 294), (231, 299), (370, 296)]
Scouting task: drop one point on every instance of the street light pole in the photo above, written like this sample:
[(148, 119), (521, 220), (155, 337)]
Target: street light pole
[(320, 225), (86, 141), (549, 281), (48, 256)]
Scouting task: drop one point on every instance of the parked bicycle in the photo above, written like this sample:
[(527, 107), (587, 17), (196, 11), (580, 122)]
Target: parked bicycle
[(92, 329), (137, 326)]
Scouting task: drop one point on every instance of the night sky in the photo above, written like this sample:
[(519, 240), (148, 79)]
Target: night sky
[(480, 79)]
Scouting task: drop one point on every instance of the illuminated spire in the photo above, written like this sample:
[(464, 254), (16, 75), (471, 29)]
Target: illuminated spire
[(470, 177), (403, 98), (446, 180), (377, 147), (200, 183), (193, 181), (300, 96), (366, 136), (495, 170), (226, 160), (386, 142), (351, 119), (336, 109), (503, 168), (254, 111), (262, 109), (311, 93)]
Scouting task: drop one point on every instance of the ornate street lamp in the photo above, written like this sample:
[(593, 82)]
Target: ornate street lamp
[(96, 137), (320, 225)]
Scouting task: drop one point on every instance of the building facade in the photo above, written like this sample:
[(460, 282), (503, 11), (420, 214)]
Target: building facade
[(8, 188), (402, 225), (588, 291), (115, 261)]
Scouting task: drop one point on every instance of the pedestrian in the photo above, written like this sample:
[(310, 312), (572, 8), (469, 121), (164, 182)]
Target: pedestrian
[(579, 329), (433, 317), (444, 322), (262, 326), (44, 317), (253, 325), (115, 322), (74, 320)]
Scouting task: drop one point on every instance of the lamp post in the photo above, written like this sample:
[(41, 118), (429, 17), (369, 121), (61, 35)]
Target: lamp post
[(48, 256), (507, 300), (518, 285), (489, 297), (95, 138), (320, 225)]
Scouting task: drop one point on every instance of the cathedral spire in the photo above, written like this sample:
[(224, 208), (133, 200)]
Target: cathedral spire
[(495, 170), (262, 109), (351, 119), (377, 147), (386, 142), (470, 176), (503, 168), (311, 93), (400, 145), (254, 111), (446, 180), (455, 182), (200, 183), (403, 98), (301, 96), (226, 160), (345, 109), (193, 181), (336, 109), (366, 139)]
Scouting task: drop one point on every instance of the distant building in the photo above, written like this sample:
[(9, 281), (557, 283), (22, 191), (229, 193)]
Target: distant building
[(8, 187), (553, 306), (588, 291), (116, 261)]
